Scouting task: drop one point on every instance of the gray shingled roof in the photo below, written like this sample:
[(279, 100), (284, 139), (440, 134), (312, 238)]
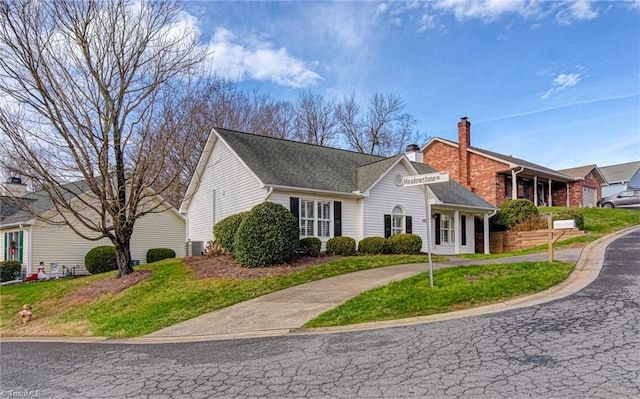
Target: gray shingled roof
[(524, 164), (293, 164), (19, 210), (621, 172)]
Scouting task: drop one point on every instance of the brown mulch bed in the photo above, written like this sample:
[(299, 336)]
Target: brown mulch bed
[(109, 285), (223, 266)]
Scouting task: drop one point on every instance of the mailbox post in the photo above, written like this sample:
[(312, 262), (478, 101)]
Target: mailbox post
[(425, 180)]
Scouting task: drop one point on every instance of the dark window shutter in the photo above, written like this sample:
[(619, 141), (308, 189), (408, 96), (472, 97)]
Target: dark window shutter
[(408, 225), (463, 230), (337, 218), (294, 206), (387, 226), (6, 245), (437, 222), (21, 243)]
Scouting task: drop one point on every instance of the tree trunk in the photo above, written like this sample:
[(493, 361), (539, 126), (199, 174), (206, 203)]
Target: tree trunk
[(123, 258)]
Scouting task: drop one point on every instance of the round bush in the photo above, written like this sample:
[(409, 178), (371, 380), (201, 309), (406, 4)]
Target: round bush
[(571, 214), (10, 270), (310, 246), (268, 235), (101, 259), (156, 254), (512, 212), (372, 245), (405, 244), (225, 231), (345, 246)]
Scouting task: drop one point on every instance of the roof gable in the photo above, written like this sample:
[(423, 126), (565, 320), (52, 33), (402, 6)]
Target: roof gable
[(621, 172), (581, 172)]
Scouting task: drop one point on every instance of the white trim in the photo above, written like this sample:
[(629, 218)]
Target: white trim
[(316, 191)]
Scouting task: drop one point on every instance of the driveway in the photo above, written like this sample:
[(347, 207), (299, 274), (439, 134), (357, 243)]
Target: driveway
[(585, 345)]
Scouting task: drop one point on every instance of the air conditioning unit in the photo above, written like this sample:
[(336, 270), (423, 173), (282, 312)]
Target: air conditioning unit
[(194, 248)]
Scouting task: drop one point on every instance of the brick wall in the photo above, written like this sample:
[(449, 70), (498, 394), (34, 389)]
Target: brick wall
[(443, 157), (485, 180)]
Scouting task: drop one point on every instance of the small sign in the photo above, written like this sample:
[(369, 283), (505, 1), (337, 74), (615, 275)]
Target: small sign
[(564, 224), (429, 178)]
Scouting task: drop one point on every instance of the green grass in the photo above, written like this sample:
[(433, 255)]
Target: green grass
[(598, 222), (454, 289), (171, 295)]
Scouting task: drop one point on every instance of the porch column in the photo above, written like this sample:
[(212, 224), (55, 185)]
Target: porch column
[(535, 189), (486, 233), (550, 196), (514, 185), (568, 196), (457, 229)]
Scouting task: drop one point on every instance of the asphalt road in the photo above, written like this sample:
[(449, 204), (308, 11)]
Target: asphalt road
[(586, 345)]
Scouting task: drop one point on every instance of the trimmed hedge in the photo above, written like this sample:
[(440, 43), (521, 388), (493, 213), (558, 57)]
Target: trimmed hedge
[(156, 254), (373, 245), (512, 212), (405, 244), (10, 270), (225, 231), (101, 259), (310, 246), (345, 246), (268, 235), (569, 214)]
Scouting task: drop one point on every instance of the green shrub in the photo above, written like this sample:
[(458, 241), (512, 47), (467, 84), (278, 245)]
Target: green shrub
[(372, 245), (345, 246), (310, 246), (225, 231), (156, 254), (101, 259), (405, 244), (9, 270), (512, 212), (268, 235), (571, 214)]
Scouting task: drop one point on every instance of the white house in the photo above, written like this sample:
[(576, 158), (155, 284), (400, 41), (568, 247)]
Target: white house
[(332, 192), (31, 240), (621, 177)]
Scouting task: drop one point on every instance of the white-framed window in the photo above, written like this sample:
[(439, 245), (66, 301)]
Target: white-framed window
[(315, 218), (397, 221), (447, 229)]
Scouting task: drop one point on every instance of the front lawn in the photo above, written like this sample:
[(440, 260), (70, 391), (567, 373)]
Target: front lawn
[(171, 295), (454, 289)]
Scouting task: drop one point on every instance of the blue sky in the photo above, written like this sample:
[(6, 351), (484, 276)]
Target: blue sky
[(555, 83)]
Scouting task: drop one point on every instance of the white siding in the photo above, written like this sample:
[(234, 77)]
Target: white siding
[(351, 215), (60, 244), (451, 248), (226, 182), (385, 195)]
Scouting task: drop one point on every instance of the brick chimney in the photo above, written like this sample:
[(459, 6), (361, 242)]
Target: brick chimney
[(464, 141)]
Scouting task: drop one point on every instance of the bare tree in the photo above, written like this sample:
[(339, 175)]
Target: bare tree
[(382, 130), (315, 121), (86, 85)]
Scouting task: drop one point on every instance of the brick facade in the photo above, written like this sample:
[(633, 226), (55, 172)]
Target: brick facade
[(491, 178)]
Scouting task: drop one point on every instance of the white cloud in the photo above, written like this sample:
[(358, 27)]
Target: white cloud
[(576, 11), (253, 58), (486, 10), (562, 82)]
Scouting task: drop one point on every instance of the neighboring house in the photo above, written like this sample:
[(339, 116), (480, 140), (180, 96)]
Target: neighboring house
[(497, 177), (332, 192), (619, 177), (590, 179), (31, 240)]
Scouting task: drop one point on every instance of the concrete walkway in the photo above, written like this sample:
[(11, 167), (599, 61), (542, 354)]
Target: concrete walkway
[(285, 311)]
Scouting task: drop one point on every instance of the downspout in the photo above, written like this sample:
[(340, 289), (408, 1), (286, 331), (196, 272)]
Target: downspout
[(268, 194), (514, 186)]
